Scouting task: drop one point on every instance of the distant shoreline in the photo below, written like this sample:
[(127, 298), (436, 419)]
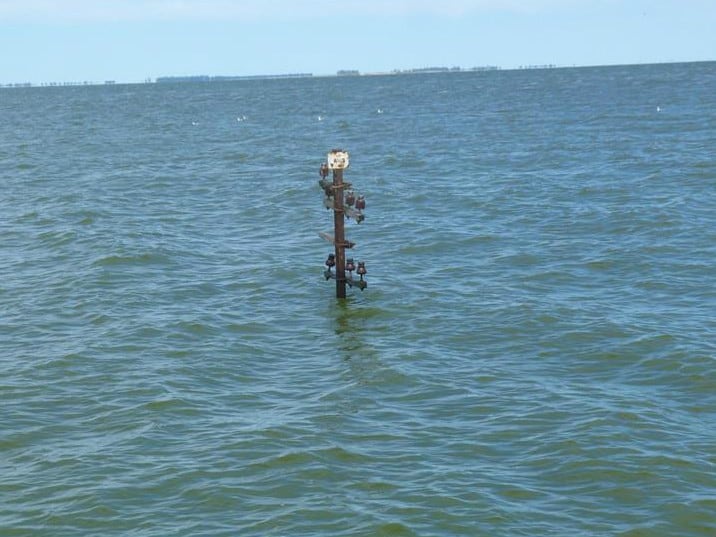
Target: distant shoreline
[(341, 73)]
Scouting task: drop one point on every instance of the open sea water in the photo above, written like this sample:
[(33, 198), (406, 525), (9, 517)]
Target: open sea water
[(535, 353)]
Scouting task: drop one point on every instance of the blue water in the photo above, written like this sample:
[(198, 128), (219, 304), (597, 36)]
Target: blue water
[(535, 353)]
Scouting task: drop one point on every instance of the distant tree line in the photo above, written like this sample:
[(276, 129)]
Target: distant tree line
[(206, 78)]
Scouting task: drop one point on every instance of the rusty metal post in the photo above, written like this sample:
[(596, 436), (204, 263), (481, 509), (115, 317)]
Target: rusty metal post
[(339, 233), (343, 208)]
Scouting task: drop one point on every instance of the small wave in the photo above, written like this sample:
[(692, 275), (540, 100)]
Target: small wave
[(392, 529), (194, 327), (408, 161), (148, 258), (57, 238)]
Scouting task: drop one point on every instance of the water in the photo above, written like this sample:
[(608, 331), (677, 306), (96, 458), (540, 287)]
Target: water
[(535, 353)]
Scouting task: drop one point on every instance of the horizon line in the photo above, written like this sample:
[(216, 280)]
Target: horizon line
[(343, 73)]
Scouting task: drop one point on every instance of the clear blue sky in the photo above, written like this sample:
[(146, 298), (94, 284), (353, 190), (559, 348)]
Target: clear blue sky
[(131, 40)]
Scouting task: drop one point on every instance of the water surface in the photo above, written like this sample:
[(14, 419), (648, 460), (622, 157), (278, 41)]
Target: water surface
[(534, 355)]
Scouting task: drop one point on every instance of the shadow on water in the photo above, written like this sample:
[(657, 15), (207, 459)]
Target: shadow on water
[(356, 337), (353, 342), (350, 328)]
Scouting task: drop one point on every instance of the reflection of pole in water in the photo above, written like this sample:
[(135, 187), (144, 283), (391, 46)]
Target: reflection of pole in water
[(349, 329), (344, 207)]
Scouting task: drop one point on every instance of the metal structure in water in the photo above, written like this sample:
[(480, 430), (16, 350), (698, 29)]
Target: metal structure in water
[(340, 197)]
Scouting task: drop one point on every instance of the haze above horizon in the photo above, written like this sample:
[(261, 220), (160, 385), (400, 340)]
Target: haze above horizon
[(132, 40)]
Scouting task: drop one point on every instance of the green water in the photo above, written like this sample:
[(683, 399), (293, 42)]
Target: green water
[(534, 355)]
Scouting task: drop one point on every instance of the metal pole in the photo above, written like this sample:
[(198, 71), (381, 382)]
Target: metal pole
[(337, 161), (339, 233)]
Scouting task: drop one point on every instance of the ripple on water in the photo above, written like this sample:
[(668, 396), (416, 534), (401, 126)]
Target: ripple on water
[(533, 355)]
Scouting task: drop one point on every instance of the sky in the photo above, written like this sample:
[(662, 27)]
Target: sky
[(134, 40)]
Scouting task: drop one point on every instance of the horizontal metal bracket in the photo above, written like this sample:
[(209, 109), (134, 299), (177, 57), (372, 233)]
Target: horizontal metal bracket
[(332, 240)]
